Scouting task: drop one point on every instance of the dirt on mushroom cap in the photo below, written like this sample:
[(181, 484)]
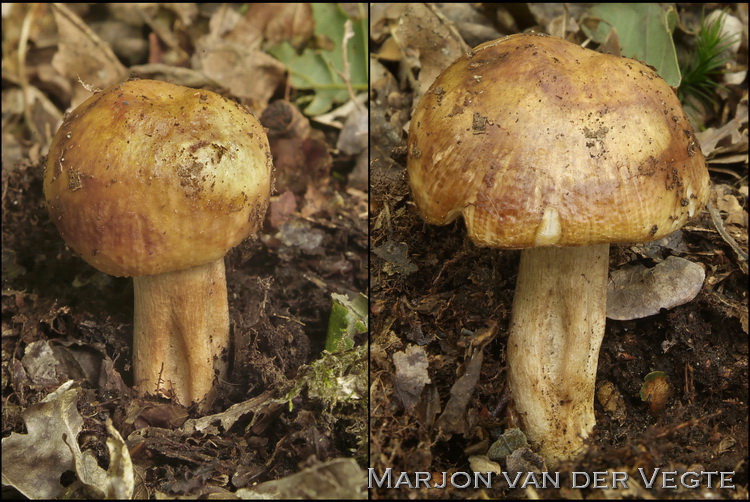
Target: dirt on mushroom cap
[(148, 177)]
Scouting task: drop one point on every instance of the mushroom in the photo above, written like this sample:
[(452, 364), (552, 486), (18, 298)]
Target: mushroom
[(557, 150), (158, 182)]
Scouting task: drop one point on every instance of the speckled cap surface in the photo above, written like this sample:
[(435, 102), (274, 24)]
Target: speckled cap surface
[(147, 177), (536, 141)]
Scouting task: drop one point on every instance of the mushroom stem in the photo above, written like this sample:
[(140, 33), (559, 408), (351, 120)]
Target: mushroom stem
[(181, 328), (556, 331)]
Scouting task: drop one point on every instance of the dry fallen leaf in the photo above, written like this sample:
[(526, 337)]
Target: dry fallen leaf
[(474, 26), (453, 418), (40, 363), (300, 153), (411, 374), (340, 478), (222, 422), (429, 42), (354, 138), (396, 256), (383, 17), (729, 138), (176, 75), (482, 464), (300, 234), (242, 67), (728, 203), (34, 462), (292, 22), (637, 291), (82, 54)]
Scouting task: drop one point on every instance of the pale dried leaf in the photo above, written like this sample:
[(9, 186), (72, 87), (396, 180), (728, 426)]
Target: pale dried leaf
[(411, 374), (636, 292), (340, 478), (32, 463), (248, 73), (473, 25), (300, 233), (81, 53), (728, 203), (732, 135), (221, 422), (292, 22), (333, 118), (389, 50), (40, 363), (482, 464), (359, 177), (127, 41), (121, 481), (223, 20), (383, 16), (44, 114), (430, 42)]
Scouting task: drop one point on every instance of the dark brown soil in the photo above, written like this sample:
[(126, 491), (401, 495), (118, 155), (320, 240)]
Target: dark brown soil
[(279, 319)]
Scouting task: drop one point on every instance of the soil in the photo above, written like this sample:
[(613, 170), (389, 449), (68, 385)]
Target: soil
[(445, 303), (278, 316)]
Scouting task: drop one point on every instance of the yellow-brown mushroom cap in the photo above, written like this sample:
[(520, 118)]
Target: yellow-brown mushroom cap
[(147, 177), (537, 141)]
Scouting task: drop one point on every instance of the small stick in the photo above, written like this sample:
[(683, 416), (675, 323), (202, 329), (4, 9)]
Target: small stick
[(719, 224)]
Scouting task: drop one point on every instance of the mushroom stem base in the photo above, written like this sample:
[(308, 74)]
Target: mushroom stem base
[(181, 327), (557, 326)]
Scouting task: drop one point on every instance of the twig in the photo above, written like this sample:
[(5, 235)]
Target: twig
[(289, 319), (24, 81), (724, 170), (159, 380), (690, 423), (346, 76), (719, 224)]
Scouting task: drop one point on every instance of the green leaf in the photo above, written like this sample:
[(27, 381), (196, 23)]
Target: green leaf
[(348, 318), (322, 69), (644, 32)]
